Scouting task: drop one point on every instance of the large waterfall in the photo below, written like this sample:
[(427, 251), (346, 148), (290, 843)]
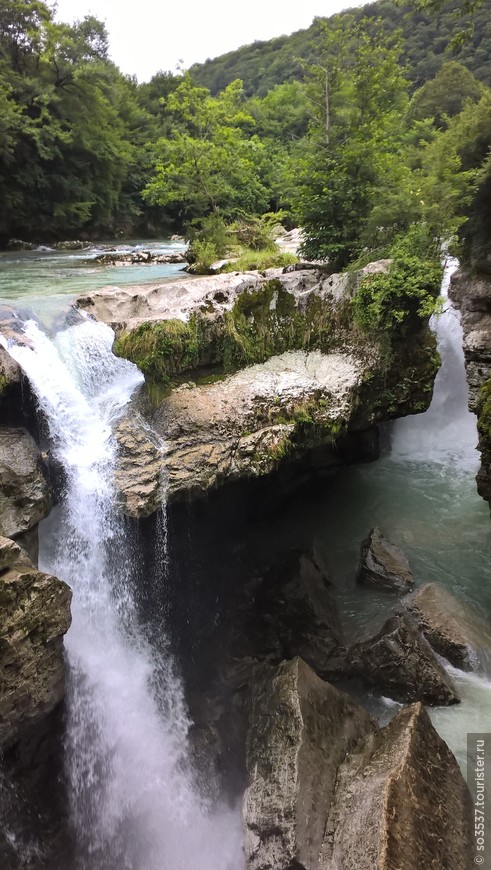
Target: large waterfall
[(134, 800)]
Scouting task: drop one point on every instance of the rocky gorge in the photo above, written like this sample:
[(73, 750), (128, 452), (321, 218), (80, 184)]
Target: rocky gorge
[(255, 383)]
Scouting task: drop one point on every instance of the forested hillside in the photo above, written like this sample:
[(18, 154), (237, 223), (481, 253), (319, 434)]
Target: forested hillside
[(427, 43), (363, 151)]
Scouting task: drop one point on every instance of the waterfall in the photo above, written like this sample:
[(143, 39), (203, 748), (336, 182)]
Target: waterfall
[(446, 433), (134, 801)]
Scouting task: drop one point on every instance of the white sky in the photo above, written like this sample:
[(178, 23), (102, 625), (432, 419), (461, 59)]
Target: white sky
[(148, 35)]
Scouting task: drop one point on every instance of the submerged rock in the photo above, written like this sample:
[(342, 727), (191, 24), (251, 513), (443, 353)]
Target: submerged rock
[(451, 630), (401, 664), (384, 566), (401, 802), (301, 730), (25, 495), (34, 616)]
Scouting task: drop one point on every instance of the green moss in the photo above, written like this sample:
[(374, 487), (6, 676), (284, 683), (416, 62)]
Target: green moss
[(3, 383), (269, 322), (484, 422), (164, 349)]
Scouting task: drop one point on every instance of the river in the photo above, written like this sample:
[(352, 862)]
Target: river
[(134, 800)]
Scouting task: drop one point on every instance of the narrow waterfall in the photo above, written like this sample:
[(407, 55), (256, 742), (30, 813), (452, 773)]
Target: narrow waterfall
[(134, 800), (446, 433)]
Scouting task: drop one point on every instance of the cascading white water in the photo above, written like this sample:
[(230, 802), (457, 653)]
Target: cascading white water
[(446, 437), (446, 433), (134, 800)]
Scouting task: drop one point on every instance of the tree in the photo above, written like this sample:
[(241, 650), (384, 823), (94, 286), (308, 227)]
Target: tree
[(344, 174), (208, 164)]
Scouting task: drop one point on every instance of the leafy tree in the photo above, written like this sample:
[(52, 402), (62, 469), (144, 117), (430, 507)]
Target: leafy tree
[(208, 164), (354, 152)]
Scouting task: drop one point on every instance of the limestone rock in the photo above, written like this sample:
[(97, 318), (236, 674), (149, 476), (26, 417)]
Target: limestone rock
[(451, 630), (401, 802), (301, 730), (472, 295), (384, 566), (25, 496), (138, 476), (9, 371), (401, 664), (137, 258), (244, 425), (34, 616), (259, 370)]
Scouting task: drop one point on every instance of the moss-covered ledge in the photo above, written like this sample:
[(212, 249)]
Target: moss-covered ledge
[(249, 373)]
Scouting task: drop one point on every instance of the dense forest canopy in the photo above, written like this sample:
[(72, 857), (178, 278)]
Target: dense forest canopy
[(365, 126), (428, 40)]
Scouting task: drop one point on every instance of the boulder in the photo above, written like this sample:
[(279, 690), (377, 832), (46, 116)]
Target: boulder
[(401, 802), (34, 616), (384, 566), (25, 495), (401, 664), (448, 626), (300, 731)]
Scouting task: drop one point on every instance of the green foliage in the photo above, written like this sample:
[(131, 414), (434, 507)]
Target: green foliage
[(163, 349), (355, 149), (393, 302), (250, 260), (208, 164), (484, 422), (445, 95)]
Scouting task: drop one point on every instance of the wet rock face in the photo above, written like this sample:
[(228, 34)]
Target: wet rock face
[(401, 801), (25, 495), (34, 616), (294, 614), (402, 665), (472, 295), (447, 625), (384, 566), (301, 730), (138, 476)]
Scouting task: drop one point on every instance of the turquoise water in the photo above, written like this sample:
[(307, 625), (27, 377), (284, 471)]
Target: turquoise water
[(422, 494), (45, 282)]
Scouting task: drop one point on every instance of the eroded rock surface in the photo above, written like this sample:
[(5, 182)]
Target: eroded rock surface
[(384, 566), (272, 364), (244, 425), (301, 731), (34, 616), (401, 802), (448, 626), (472, 295), (25, 496), (401, 664), (327, 790)]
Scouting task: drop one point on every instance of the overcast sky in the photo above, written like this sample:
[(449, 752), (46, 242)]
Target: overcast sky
[(149, 35)]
